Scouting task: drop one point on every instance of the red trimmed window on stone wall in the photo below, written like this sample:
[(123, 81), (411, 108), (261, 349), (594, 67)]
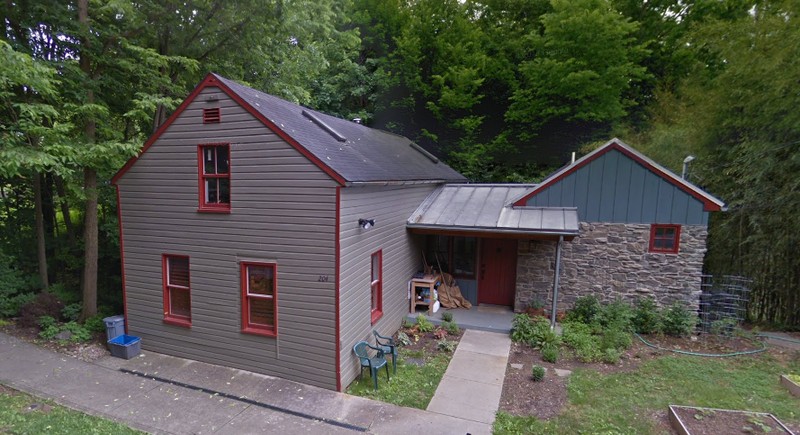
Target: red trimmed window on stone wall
[(259, 298), (665, 238), (177, 290), (376, 286), (214, 177)]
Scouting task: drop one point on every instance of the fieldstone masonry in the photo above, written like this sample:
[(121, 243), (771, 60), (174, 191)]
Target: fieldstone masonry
[(612, 261)]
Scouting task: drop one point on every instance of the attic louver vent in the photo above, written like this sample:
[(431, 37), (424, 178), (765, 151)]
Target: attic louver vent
[(211, 115), (324, 126)]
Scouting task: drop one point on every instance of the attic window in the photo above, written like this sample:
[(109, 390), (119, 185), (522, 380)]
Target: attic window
[(211, 115), (214, 177)]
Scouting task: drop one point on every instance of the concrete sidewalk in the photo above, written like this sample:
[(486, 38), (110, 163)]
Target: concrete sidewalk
[(471, 387), (162, 394)]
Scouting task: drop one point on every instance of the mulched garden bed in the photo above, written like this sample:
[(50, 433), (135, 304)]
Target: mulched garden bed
[(707, 421)]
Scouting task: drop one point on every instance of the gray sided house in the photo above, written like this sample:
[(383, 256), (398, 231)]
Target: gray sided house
[(243, 234)]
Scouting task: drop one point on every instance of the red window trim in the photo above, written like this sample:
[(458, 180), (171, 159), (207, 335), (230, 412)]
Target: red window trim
[(170, 318), (212, 115), (201, 185), (676, 238), (247, 327), (376, 313)]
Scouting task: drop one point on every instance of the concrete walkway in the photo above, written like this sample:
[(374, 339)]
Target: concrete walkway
[(163, 394), (472, 385)]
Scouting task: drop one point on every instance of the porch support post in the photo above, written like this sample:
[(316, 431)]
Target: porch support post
[(555, 282)]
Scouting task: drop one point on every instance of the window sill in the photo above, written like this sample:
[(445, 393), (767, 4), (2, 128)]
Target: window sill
[(178, 322), (225, 210), (376, 315), (261, 332)]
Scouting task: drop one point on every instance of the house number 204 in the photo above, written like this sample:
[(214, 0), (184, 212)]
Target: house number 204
[(323, 278)]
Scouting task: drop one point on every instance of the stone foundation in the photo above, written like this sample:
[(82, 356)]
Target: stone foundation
[(611, 261)]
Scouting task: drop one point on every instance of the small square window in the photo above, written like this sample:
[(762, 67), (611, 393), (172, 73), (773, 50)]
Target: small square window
[(211, 116), (665, 238)]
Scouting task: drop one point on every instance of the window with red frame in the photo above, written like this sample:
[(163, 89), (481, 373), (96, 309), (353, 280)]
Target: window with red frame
[(215, 177), (665, 238), (376, 285), (177, 293), (259, 298)]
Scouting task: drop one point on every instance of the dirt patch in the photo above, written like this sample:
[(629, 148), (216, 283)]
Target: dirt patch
[(428, 342), (88, 351), (705, 421)]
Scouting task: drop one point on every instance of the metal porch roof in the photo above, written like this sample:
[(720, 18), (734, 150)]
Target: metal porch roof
[(486, 208)]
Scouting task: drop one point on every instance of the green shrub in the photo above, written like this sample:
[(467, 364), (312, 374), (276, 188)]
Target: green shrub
[(578, 336), (71, 312), (617, 315), (10, 305), (537, 373), (611, 355), (446, 345), (15, 289), (424, 324), (403, 339), (407, 324), (615, 338), (646, 317), (79, 332), (585, 310), (95, 323), (678, 321), (451, 328), (46, 321), (535, 331), (550, 354), (447, 316)]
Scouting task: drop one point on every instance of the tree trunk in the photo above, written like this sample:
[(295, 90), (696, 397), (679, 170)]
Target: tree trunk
[(90, 242), (62, 193), (41, 251), (89, 286)]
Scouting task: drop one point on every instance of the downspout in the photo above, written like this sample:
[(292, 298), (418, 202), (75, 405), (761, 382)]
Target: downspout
[(555, 282)]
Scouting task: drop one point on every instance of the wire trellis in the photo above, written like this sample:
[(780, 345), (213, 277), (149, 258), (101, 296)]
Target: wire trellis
[(723, 303)]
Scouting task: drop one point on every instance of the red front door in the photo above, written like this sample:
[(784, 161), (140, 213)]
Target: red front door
[(498, 271)]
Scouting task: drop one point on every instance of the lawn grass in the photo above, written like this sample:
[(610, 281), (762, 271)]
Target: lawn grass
[(626, 402), (413, 386), (16, 417)]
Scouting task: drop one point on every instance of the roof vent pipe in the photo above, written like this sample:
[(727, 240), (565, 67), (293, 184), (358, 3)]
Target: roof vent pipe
[(357, 120), (573, 158), (686, 161)]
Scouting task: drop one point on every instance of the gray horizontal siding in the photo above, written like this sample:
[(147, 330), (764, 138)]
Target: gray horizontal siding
[(283, 209), (391, 208), (615, 188)]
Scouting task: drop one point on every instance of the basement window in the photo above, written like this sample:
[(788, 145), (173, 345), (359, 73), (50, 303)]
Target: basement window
[(215, 177), (211, 116), (664, 238)]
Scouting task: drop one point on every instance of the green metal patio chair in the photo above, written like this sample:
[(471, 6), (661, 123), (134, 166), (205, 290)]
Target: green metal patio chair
[(374, 363), (388, 346)]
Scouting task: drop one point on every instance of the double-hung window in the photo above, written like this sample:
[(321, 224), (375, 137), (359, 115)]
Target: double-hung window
[(177, 294), (665, 238), (214, 177), (259, 298), (376, 286)]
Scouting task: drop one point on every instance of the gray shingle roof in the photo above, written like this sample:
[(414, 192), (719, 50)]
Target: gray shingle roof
[(485, 208), (365, 155)]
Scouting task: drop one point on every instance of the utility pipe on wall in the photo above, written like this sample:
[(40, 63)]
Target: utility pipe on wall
[(555, 282)]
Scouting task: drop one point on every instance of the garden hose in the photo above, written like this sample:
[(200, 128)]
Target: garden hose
[(710, 355)]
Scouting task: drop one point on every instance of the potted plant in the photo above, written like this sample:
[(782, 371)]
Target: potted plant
[(535, 307)]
